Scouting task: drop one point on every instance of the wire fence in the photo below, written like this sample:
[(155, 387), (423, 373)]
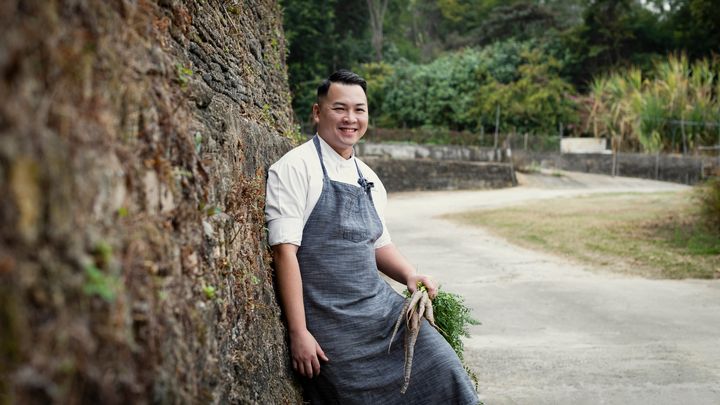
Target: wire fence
[(685, 136), (680, 136), (434, 136), (532, 142)]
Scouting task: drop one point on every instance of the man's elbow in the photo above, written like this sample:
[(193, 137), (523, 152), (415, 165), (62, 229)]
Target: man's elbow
[(284, 250)]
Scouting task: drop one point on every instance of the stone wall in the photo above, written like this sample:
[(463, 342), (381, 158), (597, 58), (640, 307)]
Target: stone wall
[(426, 174), (437, 152), (409, 167), (677, 169), (135, 141), (673, 168)]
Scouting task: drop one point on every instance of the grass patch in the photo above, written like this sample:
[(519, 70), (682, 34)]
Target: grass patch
[(658, 235)]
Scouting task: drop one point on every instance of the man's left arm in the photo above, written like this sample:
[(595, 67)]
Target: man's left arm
[(391, 262)]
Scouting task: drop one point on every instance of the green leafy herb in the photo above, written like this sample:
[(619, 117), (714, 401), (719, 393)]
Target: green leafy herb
[(453, 317)]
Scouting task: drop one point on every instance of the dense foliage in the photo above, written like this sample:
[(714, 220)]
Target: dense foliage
[(323, 36), (672, 108), (456, 64), (464, 90)]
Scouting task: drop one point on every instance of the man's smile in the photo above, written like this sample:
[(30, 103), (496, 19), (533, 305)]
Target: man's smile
[(341, 117)]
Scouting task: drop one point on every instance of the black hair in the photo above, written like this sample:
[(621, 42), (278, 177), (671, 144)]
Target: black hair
[(341, 76)]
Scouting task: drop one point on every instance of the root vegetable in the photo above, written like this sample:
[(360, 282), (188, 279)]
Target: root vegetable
[(430, 316), (416, 307), (399, 321), (454, 316), (415, 324), (414, 299), (422, 304)]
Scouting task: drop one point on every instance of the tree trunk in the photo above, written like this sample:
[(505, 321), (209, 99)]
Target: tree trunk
[(377, 10)]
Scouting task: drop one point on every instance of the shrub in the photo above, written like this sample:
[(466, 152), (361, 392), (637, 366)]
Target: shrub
[(708, 195)]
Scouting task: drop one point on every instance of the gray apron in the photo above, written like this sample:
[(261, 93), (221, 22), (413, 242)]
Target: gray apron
[(351, 311)]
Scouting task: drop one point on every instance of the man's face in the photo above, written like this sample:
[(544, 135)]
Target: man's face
[(342, 117)]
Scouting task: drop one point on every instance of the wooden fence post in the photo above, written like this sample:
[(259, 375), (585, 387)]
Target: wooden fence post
[(497, 124), (684, 139)]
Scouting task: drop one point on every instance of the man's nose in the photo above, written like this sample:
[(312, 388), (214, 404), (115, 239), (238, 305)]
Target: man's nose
[(350, 117)]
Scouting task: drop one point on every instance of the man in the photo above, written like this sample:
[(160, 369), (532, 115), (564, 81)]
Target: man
[(324, 211)]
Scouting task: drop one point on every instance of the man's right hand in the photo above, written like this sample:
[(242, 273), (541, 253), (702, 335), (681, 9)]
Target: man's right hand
[(306, 353)]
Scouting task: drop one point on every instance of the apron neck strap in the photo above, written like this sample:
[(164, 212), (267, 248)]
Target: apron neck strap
[(316, 141), (366, 185)]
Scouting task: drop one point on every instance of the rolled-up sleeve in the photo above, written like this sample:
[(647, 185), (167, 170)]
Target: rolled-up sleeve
[(384, 239), (285, 200)]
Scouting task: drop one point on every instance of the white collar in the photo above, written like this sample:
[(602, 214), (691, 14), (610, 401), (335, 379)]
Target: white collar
[(329, 153)]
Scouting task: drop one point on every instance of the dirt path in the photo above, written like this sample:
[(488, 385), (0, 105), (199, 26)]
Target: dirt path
[(554, 331)]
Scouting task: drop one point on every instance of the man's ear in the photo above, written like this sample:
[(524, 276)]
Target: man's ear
[(316, 113)]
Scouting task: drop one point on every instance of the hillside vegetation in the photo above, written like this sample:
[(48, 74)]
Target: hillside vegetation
[(644, 74)]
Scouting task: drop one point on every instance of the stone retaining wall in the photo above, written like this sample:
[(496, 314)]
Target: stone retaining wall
[(437, 152), (426, 174), (676, 169), (673, 168), (135, 137)]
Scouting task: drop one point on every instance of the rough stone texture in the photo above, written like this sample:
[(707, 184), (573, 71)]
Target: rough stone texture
[(677, 169), (135, 140), (438, 152), (426, 174), (407, 167)]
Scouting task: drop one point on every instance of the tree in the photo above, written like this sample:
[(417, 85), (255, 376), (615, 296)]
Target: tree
[(461, 90), (536, 102), (377, 10), (520, 21), (319, 45), (696, 25), (607, 30), (307, 61)]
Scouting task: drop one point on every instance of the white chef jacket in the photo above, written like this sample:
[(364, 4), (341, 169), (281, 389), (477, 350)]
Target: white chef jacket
[(295, 183)]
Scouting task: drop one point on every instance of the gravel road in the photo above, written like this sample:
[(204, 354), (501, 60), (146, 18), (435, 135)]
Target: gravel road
[(558, 332)]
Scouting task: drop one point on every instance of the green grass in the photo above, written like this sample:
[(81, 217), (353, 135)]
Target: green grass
[(656, 235)]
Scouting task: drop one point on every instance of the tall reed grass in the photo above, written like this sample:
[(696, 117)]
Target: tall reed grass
[(674, 108)]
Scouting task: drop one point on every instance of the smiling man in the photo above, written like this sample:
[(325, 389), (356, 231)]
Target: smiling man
[(324, 210), (341, 116)]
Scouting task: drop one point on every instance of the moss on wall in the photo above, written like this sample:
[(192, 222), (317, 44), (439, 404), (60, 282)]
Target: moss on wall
[(135, 140)]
